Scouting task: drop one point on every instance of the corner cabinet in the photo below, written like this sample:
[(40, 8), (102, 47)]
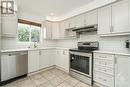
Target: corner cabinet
[(9, 25), (122, 71), (114, 19)]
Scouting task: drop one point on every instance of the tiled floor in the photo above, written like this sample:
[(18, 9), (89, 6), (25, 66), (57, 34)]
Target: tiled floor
[(49, 78)]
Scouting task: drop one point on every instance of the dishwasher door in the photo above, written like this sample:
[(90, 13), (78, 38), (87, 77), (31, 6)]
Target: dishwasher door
[(13, 64)]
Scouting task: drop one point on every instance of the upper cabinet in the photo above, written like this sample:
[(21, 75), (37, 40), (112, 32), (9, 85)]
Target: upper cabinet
[(55, 30), (47, 30), (120, 17), (91, 17), (104, 20), (80, 21), (9, 26), (114, 19), (9, 19)]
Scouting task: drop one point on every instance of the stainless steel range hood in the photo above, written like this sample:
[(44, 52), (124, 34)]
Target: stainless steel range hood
[(89, 28)]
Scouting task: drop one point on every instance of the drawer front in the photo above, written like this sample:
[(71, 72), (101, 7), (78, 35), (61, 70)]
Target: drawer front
[(105, 63), (104, 79), (103, 56), (106, 70)]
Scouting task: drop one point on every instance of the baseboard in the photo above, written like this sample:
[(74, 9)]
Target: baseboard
[(41, 70)]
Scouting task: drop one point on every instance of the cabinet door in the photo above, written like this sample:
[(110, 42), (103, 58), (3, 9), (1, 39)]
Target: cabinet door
[(91, 17), (104, 20), (120, 17), (72, 22), (66, 60), (51, 57), (57, 58), (47, 33), (44, 59), (9, 26), (80, 20), (55, 30), (122, 71), (33, 61), (62, 29)]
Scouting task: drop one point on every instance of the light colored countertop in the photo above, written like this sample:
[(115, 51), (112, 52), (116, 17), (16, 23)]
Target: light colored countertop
[(29, 49), (117, 52)]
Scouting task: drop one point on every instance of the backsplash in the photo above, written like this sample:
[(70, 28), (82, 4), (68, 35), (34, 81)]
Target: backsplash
[(11, 43), (105, 43)]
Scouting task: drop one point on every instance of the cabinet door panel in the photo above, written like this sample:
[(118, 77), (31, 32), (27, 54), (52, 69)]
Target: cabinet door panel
[(120, 17), (47, 32), (122, 71), (91, 17), (55, 30), (62, 29), (9, 26), (44, 59), (33, 61), (104, 20), (80, 20)]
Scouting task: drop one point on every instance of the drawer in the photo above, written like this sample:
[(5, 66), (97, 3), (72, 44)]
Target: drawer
[(105, 63), (103, 56), (104, 79), (106, 70)]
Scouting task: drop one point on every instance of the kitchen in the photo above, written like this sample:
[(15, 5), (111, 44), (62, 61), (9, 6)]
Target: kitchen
[(86, 44)]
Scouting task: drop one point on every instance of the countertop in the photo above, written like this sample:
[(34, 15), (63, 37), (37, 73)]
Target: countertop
[(29, 49), (117, 52)]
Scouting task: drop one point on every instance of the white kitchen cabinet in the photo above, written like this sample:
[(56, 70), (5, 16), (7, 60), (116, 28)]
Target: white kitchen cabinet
[(33, 61), (47, 30), (62, 59), (80, 20), (44, 59), (52, 53), (91, 17), (70, 23), (62, 29), (114, 19), (9, 26), (104, 69), (55, 30), (122, 71), (104, 20), (120, 17)]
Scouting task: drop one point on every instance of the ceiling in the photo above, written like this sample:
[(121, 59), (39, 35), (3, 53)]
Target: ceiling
[(45, 7)]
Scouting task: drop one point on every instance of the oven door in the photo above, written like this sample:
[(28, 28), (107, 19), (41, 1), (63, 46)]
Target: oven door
[(81, 63)]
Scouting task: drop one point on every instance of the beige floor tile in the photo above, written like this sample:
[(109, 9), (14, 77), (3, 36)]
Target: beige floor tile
[(26, 83), (57, 72), (36, 76), (64, 76), (64, 84), (72, 81), (80, 84), (39, 81), (56, 81), (49, 76), (46, 84)]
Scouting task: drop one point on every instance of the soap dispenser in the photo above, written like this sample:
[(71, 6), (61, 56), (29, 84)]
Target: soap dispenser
[(127, 43)]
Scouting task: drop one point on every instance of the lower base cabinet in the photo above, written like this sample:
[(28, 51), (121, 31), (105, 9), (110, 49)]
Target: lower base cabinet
[(122, 71), (33, 61), (62, 59)]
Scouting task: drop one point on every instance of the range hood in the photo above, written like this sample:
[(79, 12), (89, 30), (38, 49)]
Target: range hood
[(89, 28)]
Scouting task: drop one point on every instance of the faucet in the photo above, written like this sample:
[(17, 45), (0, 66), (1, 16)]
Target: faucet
[(35, 45)]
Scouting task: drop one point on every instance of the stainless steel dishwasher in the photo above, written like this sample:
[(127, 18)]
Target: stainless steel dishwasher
[(13, 65)]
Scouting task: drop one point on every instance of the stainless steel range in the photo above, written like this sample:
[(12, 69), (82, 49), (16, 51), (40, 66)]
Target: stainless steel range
[(81, 61)]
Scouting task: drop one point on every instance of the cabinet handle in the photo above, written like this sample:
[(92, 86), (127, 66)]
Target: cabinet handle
[(111, 29), (40, 52)]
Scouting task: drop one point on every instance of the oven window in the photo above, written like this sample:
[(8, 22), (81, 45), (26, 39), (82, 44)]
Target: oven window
[(79, 63)]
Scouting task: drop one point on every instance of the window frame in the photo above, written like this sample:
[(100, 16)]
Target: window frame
[(30, 24)]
